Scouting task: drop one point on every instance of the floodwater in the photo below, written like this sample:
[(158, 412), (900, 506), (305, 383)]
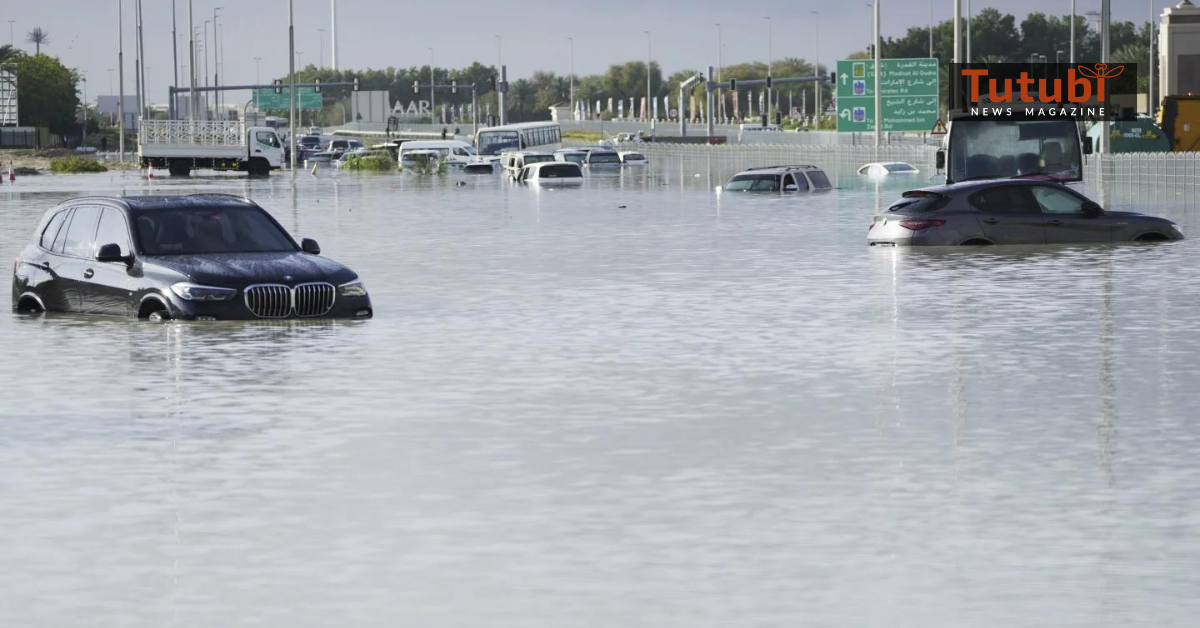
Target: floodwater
[(638, 403)]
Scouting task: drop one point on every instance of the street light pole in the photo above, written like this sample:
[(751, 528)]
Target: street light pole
[(1150, 72), (720, 96), (1072, 59), (321, 50), (968, 31), (817, 74), (770, 62), (216, 63), (121, 78), (191, 64), (958, 31), (11, 41), (292, 87), (878, 72), (206, 75), (647, 104), (174, 64), (930, 29), (432, 91), (571, 42), (333, 27)]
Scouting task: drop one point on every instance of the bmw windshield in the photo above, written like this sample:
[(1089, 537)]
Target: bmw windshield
[(209, 230)]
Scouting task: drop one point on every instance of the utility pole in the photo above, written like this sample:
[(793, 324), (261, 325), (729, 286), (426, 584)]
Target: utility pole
[(137, 62), (720, 96), (191, 64), (878, 72), (292, 87), (432, 91), (216, 66), (1105, 23), (571, 41), (206, 74), (1072, 31), (321, 51), (968, 31), (1150, 73), (174, 64), (958, 31), (770, 62), (333, 27), (816, 73), (646, 113), (121, 78)]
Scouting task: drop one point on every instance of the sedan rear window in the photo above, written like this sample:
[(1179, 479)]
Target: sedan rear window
[(215, 230), (920, 203), (899, 167), (604, 158)]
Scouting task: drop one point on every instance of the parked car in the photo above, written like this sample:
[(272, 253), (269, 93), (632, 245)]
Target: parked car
[(513, 162), (573, 155), (623, 138), (410, 158), (557, 173), (799, 178), (307, 145), (632, 157), (883, 169), (603, 158), (1009, 211), (453, 152), (196, 257)]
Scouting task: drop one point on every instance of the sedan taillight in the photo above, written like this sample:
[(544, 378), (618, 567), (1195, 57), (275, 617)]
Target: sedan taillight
[(917, 225)]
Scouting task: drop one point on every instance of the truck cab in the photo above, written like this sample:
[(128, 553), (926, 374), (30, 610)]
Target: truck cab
[(983, 147)]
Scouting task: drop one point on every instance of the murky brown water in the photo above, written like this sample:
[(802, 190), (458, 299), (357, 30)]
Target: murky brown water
[(634, 404)]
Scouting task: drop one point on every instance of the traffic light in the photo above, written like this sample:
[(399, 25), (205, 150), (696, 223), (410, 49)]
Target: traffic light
[(492, 82), (356, 83), (454, 86), (833, 77), (768, 82), (278, 86), (779, 117), (733, 84), (416, 86), (317, 87)]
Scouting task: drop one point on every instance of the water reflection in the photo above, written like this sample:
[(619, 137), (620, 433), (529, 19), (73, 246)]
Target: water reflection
[(679, 404)]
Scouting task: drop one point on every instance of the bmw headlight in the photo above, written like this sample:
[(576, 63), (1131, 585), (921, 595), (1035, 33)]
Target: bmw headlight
[(353, 289), (193, 292)]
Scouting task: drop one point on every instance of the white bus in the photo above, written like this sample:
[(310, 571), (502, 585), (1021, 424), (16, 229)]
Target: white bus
[(540, 136)]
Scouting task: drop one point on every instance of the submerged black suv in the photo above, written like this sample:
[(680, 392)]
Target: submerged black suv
[(196, 257)]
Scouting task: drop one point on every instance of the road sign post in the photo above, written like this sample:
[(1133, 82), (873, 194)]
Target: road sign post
[(908, 94)]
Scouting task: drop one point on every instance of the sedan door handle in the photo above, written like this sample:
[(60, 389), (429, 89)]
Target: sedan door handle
[(1054, 223), (991, 221), (88, 274), (258, 150)]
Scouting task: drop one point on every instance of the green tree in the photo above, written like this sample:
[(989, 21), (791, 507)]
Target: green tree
[(46, 90), (8, 55), (38, 37)]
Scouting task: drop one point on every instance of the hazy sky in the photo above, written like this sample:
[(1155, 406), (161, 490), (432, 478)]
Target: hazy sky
[(378, 33)]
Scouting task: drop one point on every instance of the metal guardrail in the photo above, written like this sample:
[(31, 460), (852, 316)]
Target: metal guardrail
[(208, 133)]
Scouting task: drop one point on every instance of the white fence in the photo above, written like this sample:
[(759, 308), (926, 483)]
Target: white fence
[(216, 133), (1138, 178)]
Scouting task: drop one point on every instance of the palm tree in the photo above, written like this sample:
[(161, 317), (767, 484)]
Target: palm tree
[(1138, 53), (37, 37), (8, 54)]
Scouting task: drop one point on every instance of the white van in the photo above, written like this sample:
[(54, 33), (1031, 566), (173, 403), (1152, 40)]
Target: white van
[(514, 162), (555, 173), (452, 152)]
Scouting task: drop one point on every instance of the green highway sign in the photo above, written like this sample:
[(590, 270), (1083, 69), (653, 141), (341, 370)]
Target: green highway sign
[(909, 95), (265, 99)]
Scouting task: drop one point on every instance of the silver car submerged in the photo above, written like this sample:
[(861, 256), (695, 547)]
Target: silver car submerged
[(1009, 212)]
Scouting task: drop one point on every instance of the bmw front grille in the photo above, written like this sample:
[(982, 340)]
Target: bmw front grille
[(306, 300)]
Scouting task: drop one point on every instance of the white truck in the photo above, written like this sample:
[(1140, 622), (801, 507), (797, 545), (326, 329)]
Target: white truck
[(181, 145)]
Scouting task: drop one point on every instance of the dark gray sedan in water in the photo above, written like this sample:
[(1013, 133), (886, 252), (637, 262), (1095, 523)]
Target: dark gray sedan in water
[(1009, 211)]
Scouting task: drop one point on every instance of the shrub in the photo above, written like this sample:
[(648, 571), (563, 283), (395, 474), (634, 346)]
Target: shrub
[(74, 164), (377, 162)]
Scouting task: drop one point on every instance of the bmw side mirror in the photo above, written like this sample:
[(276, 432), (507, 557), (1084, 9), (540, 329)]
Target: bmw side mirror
[(112, 253), (309, 245), (1088, 148), (941, 159), (1092, 209)]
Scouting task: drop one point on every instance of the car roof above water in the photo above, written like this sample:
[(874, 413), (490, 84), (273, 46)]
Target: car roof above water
[(966, 187), (188, 201)]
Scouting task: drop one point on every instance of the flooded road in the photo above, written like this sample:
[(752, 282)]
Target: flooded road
[(639, 403)]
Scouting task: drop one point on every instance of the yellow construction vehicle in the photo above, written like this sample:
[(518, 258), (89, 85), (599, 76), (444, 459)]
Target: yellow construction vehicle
[(1179, 118)]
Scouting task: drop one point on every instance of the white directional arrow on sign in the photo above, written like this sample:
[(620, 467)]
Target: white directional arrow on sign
[(845, 113), (844, 77)]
